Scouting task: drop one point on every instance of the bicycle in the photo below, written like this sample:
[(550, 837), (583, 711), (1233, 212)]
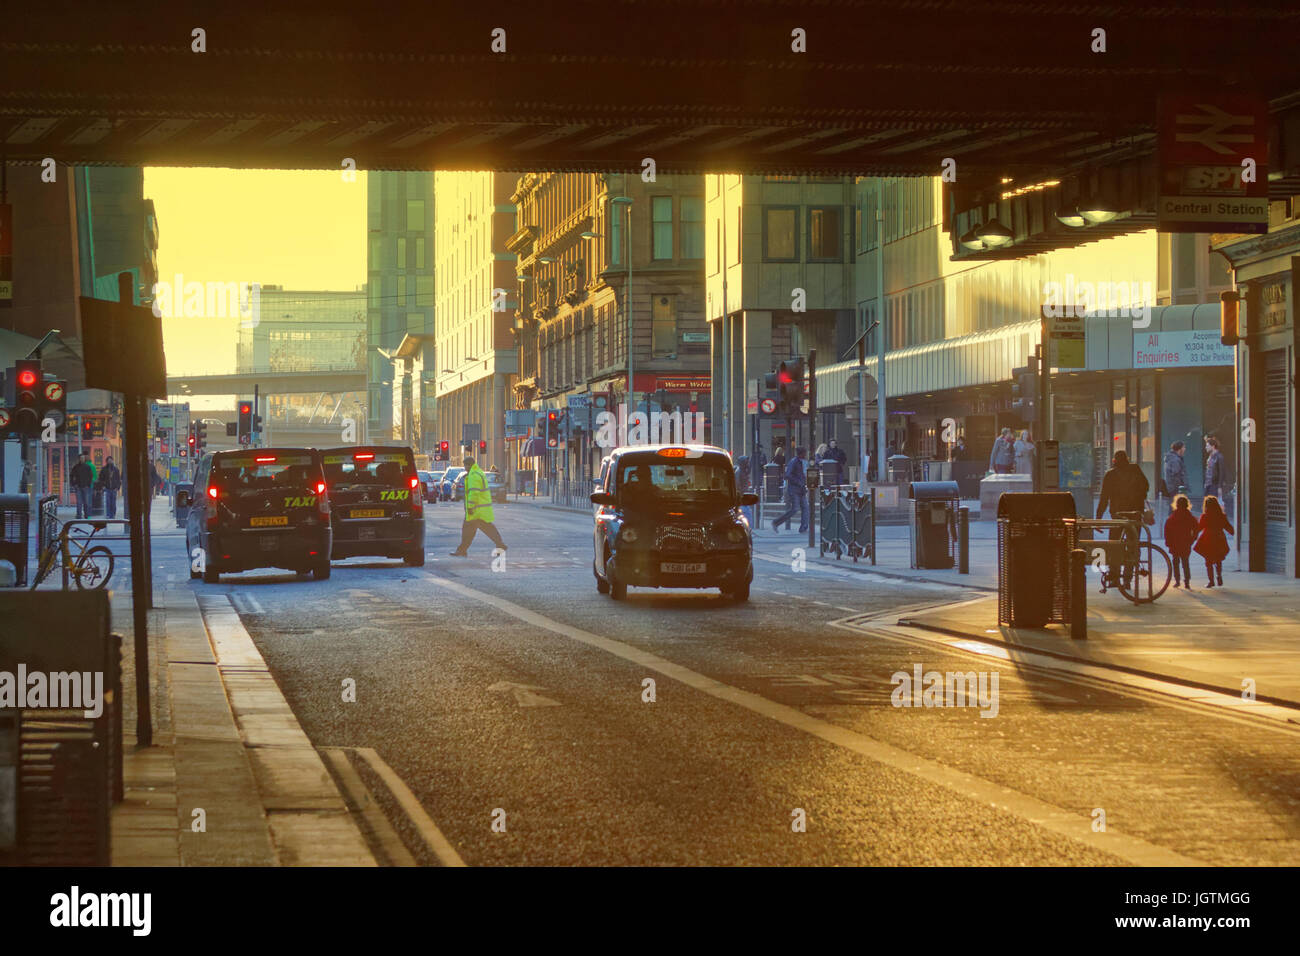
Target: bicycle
[(90, 567), (1135, 566)]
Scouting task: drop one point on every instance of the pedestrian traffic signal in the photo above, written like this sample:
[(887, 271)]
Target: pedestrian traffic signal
[(245, 418), (21, 398), (552, 429), (1024, 391)]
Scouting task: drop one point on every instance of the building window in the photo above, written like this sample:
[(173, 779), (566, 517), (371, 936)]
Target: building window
[(692, 227), (376, 253), (615, 234), (662, 217), (663, 326), (780, 233), (376, 282), (401, 254), (419, 253), (401, 290), (415, 215), (824, 234), (424, 291), (780, 179)]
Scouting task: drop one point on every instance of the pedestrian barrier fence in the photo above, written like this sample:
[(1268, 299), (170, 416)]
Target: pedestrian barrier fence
[(13, 534), (573, 493), (847, 523), (60, 770)]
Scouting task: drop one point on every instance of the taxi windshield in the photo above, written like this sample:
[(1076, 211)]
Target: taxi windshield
[(676, 481), (253, 473), (377, 470)]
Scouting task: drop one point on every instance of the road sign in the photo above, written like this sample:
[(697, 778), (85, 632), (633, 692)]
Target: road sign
[(580, 401), (1213, 163), (768, 406), (470, 433), (851, 385)]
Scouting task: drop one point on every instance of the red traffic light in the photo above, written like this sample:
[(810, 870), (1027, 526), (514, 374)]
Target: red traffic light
[(482, 446), (26, 378), (245, 408), (552, 416), (444, 446)]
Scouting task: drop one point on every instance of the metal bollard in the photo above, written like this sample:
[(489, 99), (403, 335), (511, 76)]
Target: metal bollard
[(1078, 594), (963, 540)]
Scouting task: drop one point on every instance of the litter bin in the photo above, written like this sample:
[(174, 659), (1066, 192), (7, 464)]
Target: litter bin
[(899, 468), (934, 523), (772, 478), (182, 501), (1036, 532), (829, 473), (14, 513)]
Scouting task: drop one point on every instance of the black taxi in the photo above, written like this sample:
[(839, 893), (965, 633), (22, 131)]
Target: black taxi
[(670, 517), (377, 500), (259, 508)]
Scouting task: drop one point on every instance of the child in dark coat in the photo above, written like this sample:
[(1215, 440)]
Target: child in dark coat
[(1212, 545), (1180, 534)]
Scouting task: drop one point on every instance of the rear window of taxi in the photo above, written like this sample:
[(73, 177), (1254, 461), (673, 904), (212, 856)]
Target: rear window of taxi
[(253, 472), (353, 470)]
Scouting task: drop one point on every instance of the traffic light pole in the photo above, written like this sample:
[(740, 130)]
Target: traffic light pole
[(812, 443)]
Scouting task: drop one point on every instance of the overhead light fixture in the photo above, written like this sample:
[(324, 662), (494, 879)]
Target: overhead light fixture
[(971, 241), (545, 260), (996, 235), (590, 235), (1097, 210), (1070, 216)]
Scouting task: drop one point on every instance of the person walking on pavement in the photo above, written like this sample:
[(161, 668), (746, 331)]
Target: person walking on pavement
[(110, 479), (82, 479), (1124, 491), (1212, 545), (1180, 533), (744, 483), (796, 493), (1002, 459), (959, 451), (478, 510), (1025, 451), (1214, 469), (778, 455), (836, 454), (1173, 473)]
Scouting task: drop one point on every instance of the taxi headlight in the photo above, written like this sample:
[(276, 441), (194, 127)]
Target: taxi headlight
[(627, 535), (736, 534)]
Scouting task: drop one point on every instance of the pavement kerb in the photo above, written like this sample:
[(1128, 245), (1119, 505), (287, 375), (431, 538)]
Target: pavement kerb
[(917, 622)]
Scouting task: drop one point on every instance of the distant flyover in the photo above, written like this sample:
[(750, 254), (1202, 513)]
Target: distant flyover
[(269, 383)]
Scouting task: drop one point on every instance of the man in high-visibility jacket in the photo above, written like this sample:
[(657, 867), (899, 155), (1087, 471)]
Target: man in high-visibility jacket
[(478, 510)]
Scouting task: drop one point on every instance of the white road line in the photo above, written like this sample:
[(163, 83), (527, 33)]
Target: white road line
[(359, 796), (441, 847), (1131, 849)]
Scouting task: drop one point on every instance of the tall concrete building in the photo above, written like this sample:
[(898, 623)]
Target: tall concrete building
[(400, 289), (579, 301), (477, 360), (780, 255)]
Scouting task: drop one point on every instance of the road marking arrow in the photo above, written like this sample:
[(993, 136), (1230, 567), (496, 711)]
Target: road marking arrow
[(524, 695)]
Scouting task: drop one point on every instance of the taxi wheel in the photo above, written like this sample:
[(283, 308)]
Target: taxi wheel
[(602, 586), (415, 559), (322, 570), (740, 595), (617, 589), (211, 576)]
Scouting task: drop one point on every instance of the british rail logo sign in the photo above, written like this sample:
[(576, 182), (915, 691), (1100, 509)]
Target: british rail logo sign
[(1213, 164)]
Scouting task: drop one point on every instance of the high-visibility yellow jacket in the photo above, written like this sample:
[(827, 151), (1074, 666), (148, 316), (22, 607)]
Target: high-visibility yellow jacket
[(478, 500)]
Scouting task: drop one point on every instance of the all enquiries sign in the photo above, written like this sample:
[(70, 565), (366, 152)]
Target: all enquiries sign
[(1185, 349)]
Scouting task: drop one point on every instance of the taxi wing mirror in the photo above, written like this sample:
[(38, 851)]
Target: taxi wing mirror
[(601, 498), (748, 498)]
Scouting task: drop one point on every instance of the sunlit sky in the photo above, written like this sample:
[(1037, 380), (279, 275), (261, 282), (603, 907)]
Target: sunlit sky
[(303, 230)]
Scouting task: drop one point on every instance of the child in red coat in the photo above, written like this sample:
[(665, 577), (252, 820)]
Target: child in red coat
[(1180, 533), (1212, 545)]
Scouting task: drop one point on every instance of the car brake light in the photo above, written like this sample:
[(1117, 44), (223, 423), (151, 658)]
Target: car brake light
[(212, 492), (320, 487), (415, 483), (263, 461), (363, 456)]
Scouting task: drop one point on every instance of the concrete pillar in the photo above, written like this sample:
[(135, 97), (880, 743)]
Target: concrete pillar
[(756, 346), (715, 379)]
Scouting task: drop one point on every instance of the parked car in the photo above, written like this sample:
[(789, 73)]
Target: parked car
[(429, 485), (449, 482), (496, 486), (670, 517)]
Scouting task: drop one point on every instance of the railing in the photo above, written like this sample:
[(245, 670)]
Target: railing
[(573, 493), (847, 523), (47, 523)]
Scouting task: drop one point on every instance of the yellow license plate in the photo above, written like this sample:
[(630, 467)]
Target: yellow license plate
[(272, 521), (367, 513)]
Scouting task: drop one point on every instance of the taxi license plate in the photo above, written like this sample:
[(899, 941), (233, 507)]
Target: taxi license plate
[(668, 567), (268, 521), (366, 513)]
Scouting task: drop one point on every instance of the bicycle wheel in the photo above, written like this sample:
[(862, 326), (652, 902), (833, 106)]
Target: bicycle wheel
[(1150, 577), (46, 564), (93, 568)]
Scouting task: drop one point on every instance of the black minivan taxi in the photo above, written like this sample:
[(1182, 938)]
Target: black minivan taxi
[(377, 502), (670, 518), (259, 508)]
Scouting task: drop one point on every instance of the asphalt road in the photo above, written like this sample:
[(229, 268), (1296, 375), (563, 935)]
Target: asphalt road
[(512, 693)]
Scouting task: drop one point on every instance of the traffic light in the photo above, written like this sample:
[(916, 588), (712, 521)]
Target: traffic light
[(192, 441), (245, 418), (22, 402), (1229, 332), (552, 429), (444, 451), (1024, 391), (54, 403), (790, 386), (200, 437), (257, 424), (482, 446)]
